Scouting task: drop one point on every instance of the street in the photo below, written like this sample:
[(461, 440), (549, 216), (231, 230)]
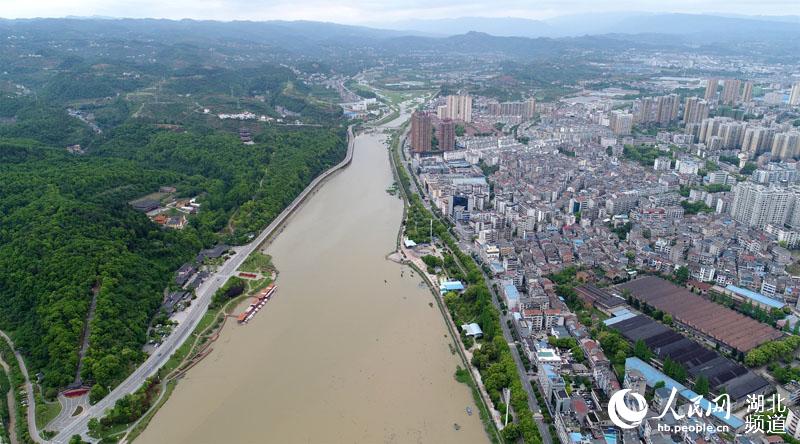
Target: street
[(544, 429), (79, 424)]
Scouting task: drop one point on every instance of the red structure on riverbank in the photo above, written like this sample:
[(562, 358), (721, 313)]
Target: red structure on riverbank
[(257, 304)]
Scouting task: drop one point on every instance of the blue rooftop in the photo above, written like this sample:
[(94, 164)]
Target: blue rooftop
[(619, 318), (511, 292), (620, 314), (758, 297), (652, 375), (451, 286), (472, 329), (619, 311)]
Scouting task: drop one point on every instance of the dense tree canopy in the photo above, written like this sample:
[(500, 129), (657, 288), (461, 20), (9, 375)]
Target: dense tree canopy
[(68, 233)]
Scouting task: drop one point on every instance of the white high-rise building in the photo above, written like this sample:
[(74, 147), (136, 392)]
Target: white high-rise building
[(794, 97), (643, 109), (730, 91), (732, 134), (757, 205), (458, 108), (695, 110), (786, 145), (711, 90), (711, 127), (747, 92), (667, 108), (621, 122), (757, 140)]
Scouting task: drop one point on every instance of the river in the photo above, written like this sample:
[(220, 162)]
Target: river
[(348, 351)]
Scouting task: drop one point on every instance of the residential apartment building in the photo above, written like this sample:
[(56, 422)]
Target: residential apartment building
[(458, 108), (757, 205), (421, 135), (621, 123)]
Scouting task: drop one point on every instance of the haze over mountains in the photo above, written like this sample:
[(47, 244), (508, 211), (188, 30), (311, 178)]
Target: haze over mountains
[(716, 26), (721, 26), (770, 36)]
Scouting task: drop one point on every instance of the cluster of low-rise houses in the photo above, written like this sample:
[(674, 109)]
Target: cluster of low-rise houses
[(570, 196), (172, 214), (568, 189)]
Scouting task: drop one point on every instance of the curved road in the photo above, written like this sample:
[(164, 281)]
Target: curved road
[(28, 391), (12, 405), (79, 426)]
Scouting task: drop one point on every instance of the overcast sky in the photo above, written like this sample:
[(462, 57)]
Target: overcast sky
[(376, 11)]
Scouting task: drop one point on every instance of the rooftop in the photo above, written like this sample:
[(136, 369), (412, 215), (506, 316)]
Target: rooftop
[(721, 372), (653, 376), (758, 297), (472, 329), (598, 296), (451, 286), (511, 291), (619, 317), (713, 320)]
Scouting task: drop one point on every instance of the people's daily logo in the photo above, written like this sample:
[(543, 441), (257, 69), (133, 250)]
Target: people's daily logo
[(627, 413), (628, 409)]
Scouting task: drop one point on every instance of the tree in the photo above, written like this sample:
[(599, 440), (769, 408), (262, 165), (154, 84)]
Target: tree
[(659, 384), (78, 205), (511, 432), (682, 275), (667, 319), (695, 207), (97, 393), (674, 370), (641, 351), (748, 168), (701, 385), (772, 351), (95, 428)]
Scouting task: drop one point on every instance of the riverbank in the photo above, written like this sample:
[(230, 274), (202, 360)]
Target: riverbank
[(189, 355), (480, 308), (204, 293), (350, 351), (487, 414)]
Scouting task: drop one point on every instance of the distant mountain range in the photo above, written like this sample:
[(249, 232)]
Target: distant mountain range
[(516, 37), (709, 27)]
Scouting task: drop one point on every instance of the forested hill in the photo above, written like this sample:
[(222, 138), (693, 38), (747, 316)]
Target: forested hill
[(67, 226)]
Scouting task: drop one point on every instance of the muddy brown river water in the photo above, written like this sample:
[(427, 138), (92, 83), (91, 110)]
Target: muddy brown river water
[(348, 351)]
